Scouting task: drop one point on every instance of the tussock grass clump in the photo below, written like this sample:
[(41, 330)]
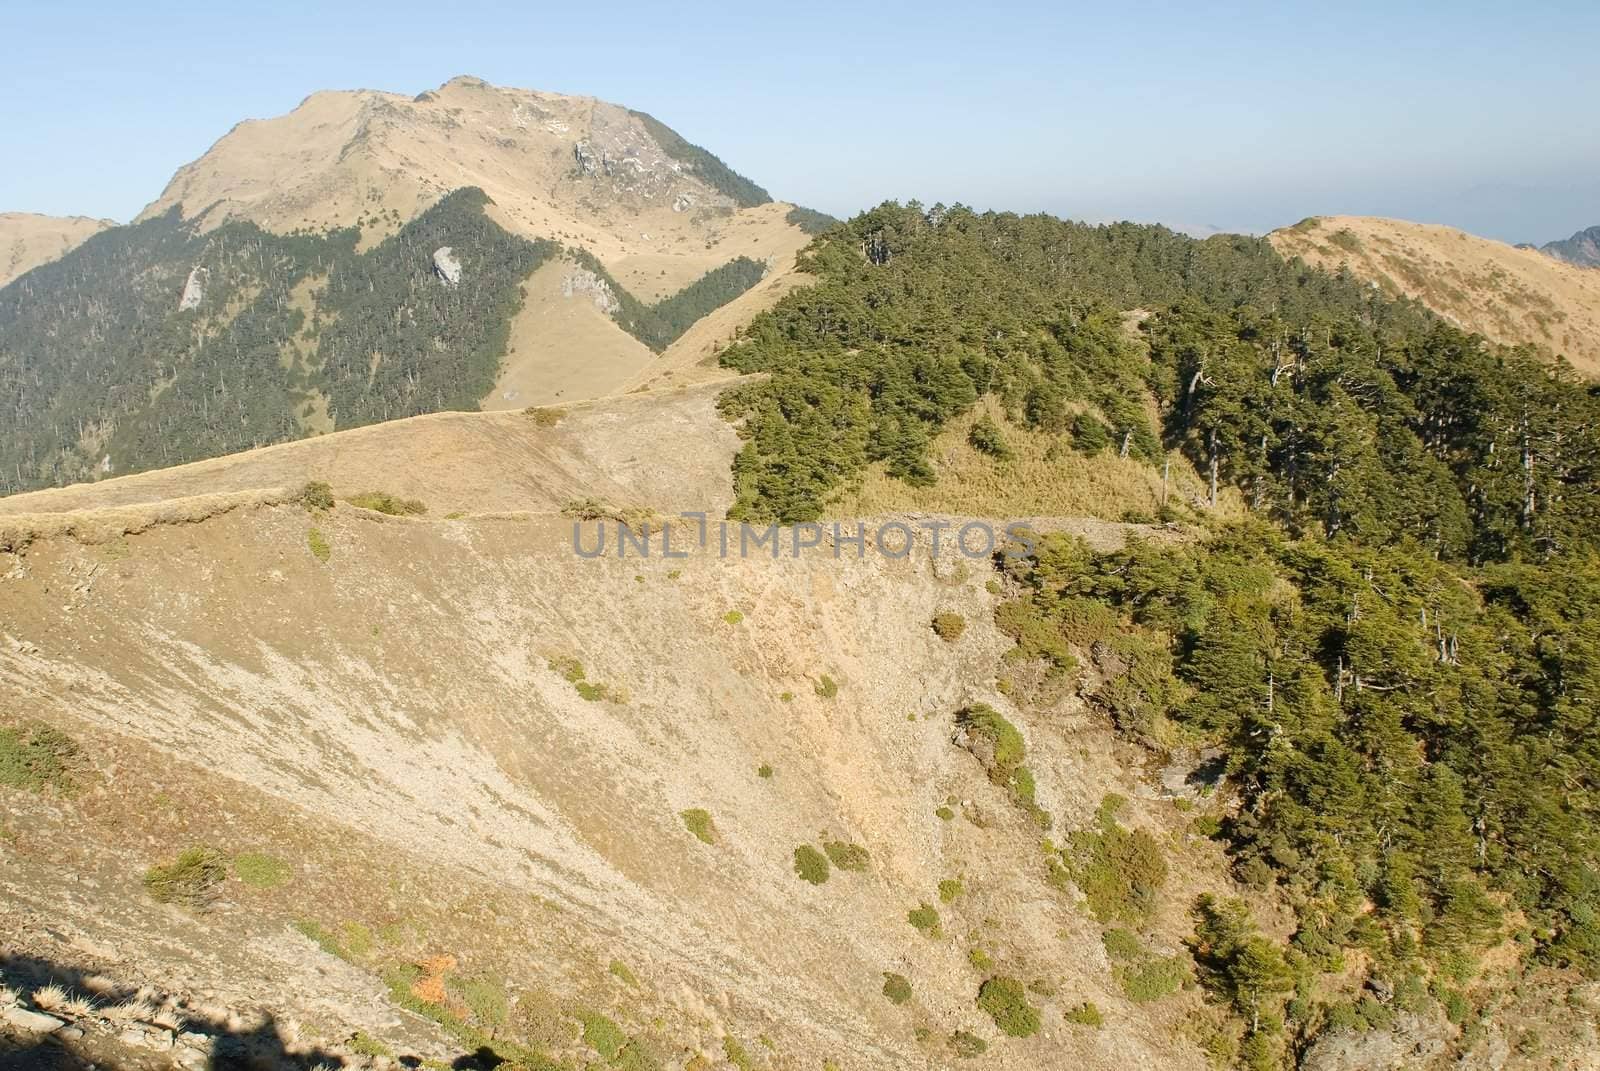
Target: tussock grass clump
[(897, 987), (384, 502), (636, 518), (485, 998), (846, 855), (764, 771), (1006, 1002), (825, 686), (260, 870), (736, 1054), (967, 1046), (949, 626), (623, 972), (573, 673), (733, 617), (190, 880), (1086, 1014), (547, 417), (320, 548), (316, 496), (325, 938), (698, 821), (363, 1044), (949, 889), (811, 865), (37, 758)]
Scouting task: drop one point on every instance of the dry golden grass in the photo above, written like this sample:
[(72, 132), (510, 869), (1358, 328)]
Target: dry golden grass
[(1503, 293), (563, 347), (1044, 477), (28, 240)]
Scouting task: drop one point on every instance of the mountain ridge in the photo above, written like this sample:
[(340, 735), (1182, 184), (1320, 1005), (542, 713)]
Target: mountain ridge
[(1506, 293), (29, 239), (288, 232)]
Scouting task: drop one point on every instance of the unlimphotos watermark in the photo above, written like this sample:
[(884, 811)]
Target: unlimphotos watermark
[(974, 539)]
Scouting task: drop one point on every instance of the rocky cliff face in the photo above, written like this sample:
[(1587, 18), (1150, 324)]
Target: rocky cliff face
[(1582, 249), (194, 290)]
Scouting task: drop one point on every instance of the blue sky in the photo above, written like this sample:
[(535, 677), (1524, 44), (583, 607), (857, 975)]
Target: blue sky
[(1241, 117)]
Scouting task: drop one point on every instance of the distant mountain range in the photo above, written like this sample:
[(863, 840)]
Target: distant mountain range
[(1582, 249)]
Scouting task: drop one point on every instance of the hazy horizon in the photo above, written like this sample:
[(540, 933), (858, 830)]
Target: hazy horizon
[(1245, 119)]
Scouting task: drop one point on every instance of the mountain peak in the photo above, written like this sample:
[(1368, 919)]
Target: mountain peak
[(576, 169), (1582, 249)]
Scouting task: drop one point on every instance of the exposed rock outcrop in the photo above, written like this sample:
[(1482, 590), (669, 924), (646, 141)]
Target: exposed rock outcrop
[(194, 289), (581, 282), (447, 266)]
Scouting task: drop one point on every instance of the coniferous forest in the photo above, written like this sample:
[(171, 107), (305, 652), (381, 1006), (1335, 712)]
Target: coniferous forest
[(1396, 655), (98, 361)]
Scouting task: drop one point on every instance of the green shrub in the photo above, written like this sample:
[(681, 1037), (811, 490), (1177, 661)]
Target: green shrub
[(986, 438), (1005, 739), (810, 864), (191, 880), (602, 1034), (826, 687), (699, 823), (1122, 944), (979, 959), (316, 496), (945, 813), (1119, 871), (847, 856), (897, 987), (547, 417), (1151, 977), (733, 617), (764, 771), (949, 626), (36, 757), (260, 870), (1006, 1002), (966, 1046), (384, 502), (925, 918), (319, 545), (1089, 436), (1085, 1014), (592, 691), (949, 889)]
